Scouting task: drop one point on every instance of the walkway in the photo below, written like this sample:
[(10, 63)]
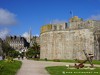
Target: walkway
[(31, 67)]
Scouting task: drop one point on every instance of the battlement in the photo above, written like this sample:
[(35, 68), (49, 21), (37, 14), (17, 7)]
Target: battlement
[(82, 25), (74, 23), (54, 27)]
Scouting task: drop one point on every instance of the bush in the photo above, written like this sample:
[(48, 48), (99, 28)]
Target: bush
[(9, 59), (13, 53), (45, 59)]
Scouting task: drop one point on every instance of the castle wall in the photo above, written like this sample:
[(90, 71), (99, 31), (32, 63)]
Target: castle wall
[(66, 44)]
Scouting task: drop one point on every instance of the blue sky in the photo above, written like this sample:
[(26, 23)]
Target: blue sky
[(36, 13)]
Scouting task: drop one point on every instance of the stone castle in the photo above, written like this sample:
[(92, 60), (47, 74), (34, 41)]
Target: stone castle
[(68, 40)]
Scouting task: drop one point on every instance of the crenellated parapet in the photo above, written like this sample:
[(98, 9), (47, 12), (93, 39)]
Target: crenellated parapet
[(89, 24), (46, 28), (54, 27), (74, 23)]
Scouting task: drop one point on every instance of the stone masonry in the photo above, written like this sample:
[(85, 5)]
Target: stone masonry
[(68, 40)]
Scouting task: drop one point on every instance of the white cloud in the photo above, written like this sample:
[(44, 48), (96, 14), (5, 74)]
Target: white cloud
[(94, 17), (4, 33), (26, 35), (57, 21), (6, 17), (36, 35)]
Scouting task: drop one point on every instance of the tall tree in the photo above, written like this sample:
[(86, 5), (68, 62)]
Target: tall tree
[(33, 51), (6, 48)]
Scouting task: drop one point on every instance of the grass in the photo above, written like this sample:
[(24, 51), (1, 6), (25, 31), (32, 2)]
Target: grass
[(96, 62), (63, 70), (70, 61), (10, 68)]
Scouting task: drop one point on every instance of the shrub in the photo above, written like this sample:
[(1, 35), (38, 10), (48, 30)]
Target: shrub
[(45, 59), (9, 59)]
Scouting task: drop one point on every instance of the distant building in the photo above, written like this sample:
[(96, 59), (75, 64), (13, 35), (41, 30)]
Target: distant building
[(18, 43)]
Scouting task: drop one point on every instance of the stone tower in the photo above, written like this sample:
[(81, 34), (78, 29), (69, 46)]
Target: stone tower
[(61, 41)]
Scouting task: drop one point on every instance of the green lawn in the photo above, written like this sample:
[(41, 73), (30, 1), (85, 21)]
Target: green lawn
[(71, 61), (63, 70), (9, 68)]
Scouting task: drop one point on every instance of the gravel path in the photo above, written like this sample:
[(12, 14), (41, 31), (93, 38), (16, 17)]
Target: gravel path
[(31, 67)]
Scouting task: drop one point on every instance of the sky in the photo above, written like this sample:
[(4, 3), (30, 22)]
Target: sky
[(17, 17)]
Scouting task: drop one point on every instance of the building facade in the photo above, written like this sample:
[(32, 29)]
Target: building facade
[(21, 44), (18, 43), (68, 40)]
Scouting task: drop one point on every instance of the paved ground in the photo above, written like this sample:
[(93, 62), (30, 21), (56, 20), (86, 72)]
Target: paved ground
[(31, 67)]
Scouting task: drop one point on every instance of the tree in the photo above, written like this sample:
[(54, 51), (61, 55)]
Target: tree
[(13, 53), (36, 47), (33, 51), (6, 48), (30, 53)]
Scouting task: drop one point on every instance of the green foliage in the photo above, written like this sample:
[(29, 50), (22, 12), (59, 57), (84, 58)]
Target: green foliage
[(9, 59), (10, 68), (8, 50), (33, 51), (13, 53), (30, 53), (45, 59), (1, 67), (56, 60), (6, 47)]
